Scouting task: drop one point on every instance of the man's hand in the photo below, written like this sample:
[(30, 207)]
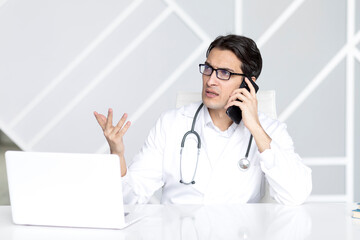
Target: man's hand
[(114, 135), (248, 105), (249, 109)]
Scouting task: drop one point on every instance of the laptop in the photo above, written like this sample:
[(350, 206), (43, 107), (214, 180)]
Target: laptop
[(66, 190)]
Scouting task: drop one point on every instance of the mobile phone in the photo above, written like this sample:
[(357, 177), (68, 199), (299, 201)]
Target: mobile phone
[(234, 112)]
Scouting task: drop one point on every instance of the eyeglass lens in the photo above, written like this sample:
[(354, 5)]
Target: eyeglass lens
[(220, 73)]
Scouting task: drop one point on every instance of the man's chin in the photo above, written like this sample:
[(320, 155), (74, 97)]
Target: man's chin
[(212, 104)]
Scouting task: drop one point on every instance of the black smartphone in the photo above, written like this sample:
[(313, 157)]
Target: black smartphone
[(234, 112)]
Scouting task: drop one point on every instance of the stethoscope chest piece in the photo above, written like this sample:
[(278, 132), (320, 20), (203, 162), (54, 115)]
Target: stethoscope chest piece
[(244, 164)]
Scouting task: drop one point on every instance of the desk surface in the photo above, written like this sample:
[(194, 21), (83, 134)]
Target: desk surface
[(247, 221)]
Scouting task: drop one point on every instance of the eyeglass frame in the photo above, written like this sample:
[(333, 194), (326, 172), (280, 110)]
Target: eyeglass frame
[(216, 70)]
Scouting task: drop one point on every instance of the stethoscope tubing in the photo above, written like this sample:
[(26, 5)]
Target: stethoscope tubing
[(192, 131)]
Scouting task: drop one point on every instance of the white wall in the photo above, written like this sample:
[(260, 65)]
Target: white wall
[(61, 60)]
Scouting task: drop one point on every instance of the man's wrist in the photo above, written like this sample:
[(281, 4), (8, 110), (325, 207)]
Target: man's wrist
[(262, 139)]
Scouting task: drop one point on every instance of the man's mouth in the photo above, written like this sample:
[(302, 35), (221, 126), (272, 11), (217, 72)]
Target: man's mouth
[(211, 93)]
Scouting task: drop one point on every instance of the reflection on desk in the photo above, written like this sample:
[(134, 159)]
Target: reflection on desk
[(236, 222), (246, 221)]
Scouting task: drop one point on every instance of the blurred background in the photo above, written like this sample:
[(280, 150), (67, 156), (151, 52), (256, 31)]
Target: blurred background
[(61, 60)]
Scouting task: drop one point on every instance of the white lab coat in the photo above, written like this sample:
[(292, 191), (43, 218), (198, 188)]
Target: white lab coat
[(158, 165)]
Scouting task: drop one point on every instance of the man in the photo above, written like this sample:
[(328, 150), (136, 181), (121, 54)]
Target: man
[(217, 177)]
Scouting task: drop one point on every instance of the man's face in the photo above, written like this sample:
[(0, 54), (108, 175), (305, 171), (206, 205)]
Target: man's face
[(216, 92)]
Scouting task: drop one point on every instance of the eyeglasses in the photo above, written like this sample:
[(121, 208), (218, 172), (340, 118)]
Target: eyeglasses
[(222, 74)]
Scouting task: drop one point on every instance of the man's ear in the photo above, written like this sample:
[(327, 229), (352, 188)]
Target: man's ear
[(253, 78)]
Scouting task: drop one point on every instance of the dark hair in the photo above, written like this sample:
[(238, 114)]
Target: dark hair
[(244, 48)]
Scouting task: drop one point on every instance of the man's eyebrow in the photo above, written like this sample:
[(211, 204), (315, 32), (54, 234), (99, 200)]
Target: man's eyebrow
[(208, 64), (227, 69)]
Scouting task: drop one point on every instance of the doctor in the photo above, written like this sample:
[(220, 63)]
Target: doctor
[(214, 176)]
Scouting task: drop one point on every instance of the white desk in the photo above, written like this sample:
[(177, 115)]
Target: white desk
[(248, 221)]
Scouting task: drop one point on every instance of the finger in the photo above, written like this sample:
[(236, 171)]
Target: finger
[(109, 119), (125, 128), (120, 123), (100, 119), (103, 118), (233, 98), (251, 87), (242, 91), (238, 96), (234, 103)]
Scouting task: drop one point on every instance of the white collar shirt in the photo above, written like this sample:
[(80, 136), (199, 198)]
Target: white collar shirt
[(215, 139)]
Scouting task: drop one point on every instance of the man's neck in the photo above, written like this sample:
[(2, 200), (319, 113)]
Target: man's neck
[(220, 119)]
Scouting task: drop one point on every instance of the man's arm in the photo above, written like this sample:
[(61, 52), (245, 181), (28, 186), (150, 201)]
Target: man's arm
[(114, 135), (289, 179), (249, 108)]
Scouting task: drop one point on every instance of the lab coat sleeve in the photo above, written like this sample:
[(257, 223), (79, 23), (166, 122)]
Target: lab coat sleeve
[(289, 179), (144, 175)]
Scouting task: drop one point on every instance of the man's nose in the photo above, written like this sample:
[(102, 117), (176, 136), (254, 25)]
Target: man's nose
[(212, 78)]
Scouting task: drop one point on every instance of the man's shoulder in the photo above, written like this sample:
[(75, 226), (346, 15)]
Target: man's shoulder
[(178, 118), (270, 124), (186, 111)]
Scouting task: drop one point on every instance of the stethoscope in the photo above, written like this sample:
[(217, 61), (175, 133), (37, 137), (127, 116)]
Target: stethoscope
[(243, 163)]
